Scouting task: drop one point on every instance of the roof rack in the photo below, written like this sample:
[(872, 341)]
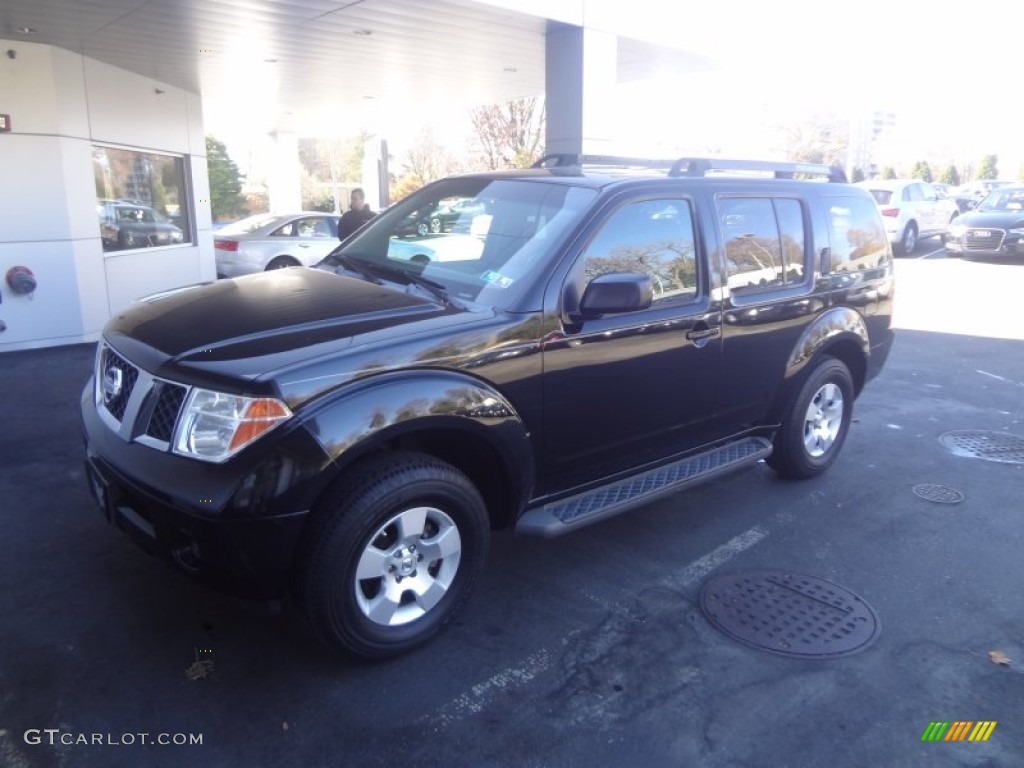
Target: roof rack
[(696, 166), (565, 159), (699, 166)]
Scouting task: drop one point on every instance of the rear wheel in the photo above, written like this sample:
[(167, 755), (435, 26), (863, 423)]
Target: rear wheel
[(282, 262), (391, 554), (815, 426), (909, 240)]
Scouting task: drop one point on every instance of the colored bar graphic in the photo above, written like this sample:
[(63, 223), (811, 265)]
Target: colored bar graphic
[(959, 730)]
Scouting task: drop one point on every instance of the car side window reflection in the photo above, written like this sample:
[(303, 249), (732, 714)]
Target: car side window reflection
[(765, 246), (653, 238)]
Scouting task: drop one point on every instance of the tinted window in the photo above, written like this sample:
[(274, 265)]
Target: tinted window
[(653, 238), (882, 196), (764, 243), (913, 193), (858, 239)]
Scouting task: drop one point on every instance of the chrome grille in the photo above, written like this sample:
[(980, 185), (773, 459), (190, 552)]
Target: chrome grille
[(117, 379), (169, 398), (978, 242)]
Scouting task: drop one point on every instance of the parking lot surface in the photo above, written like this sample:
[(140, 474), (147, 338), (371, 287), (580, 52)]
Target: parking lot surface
[(590, 650)]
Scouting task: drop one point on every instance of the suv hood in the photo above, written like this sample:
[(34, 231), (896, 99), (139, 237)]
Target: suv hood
[(269, 319)]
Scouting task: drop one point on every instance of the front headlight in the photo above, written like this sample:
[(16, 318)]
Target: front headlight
[(956, 230), (215, 426)]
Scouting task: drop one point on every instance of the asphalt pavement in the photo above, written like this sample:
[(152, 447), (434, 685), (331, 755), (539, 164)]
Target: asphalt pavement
[(590, 650)]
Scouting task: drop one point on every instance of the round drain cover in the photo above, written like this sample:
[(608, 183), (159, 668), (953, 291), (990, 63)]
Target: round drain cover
[(940, 494), (991, 446), (789, 613)]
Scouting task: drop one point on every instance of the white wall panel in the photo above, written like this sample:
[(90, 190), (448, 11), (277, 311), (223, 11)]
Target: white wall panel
[(32, 205), (140, 273), (52, 314), (125, 108)]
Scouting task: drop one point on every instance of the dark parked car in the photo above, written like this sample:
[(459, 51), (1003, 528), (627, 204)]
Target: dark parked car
[(351, 434), (133, 225), (995, 227)]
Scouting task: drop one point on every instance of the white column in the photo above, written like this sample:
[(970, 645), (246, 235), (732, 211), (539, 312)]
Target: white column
[(284, 180), (581, 73)]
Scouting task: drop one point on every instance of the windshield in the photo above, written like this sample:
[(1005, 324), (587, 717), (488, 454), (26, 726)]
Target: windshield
[(247, 225), (1005, 199), (479, 238)]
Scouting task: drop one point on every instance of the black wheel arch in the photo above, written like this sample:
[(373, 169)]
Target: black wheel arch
[(450, 416), (840, 333)]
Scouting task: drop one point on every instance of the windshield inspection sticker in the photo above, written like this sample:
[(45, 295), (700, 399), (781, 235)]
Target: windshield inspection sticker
[(496, 278)]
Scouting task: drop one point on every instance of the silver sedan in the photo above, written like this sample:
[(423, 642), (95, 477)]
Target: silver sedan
[(272, 241)]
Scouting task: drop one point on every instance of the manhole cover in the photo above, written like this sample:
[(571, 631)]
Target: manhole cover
[(789, 613), (991, 446), (940, 494)]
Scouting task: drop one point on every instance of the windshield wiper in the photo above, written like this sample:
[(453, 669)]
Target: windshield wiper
[(372, 271), (353, 264), (386, 270)]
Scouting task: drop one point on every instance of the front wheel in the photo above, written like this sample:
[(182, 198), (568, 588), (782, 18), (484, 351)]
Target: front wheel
[(815, 426), (391, 554)]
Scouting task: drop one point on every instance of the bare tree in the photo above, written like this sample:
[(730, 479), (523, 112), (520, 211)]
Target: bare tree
[(510, 134), (426, 160), (820, 138)]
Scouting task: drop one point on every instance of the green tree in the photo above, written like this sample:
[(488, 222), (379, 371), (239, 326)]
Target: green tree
[(988, 167), (921, 171), (858, 175), (950, 175), (225, 181), (888, 172)]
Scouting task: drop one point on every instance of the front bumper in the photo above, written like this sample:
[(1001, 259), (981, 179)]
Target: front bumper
[(1008, 246), (234, 526)]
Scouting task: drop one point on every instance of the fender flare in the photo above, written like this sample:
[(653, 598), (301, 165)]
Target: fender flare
[(838, 328), (838, 323), (354, 420)]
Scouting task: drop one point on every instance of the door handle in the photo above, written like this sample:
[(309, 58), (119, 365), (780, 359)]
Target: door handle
[(700, 336)]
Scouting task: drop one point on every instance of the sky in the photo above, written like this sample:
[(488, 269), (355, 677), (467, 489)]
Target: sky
[(950, 76)]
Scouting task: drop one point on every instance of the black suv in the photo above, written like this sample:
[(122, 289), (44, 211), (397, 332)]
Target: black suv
[(600, 334)]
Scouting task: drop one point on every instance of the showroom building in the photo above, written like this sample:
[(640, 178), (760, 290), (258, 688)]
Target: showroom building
[(102, 152)]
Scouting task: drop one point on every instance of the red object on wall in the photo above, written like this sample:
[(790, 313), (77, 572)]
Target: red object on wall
[(21, 280)]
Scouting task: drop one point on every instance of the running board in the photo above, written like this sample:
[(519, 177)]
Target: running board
[(588, 507)]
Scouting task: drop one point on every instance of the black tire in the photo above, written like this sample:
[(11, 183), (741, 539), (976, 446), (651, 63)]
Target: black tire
[(421, 259), (908, 242), (423, 229), (282, 262), (435, 225), (791, 456), (352, 525), (127, 239)]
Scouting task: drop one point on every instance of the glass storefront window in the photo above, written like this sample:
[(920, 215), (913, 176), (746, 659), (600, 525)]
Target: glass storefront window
[(141, 199)]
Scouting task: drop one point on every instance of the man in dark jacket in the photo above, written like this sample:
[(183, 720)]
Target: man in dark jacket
[(358, 213)]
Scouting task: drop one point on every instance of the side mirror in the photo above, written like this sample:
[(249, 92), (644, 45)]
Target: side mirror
[(616, 292)]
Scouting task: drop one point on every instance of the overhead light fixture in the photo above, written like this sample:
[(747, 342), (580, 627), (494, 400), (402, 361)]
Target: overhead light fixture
[(369, 98), (510, 69), (26, 30), (362, 32), (271, 61)]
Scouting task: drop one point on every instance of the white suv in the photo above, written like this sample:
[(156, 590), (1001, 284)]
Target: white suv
[(911, 209)]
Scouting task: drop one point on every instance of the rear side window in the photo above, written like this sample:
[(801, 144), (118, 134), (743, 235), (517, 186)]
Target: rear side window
[(764, 243), (882, 196), (858, 238)]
